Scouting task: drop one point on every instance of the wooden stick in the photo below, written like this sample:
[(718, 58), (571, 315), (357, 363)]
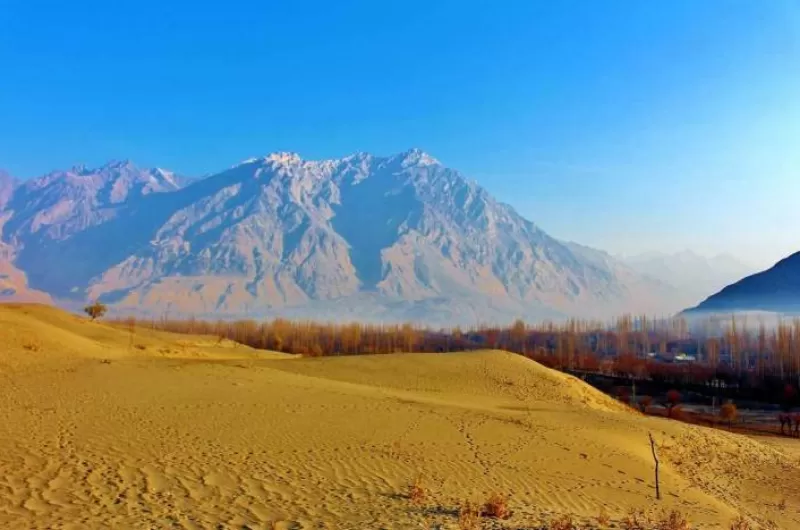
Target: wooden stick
[(655, 458)]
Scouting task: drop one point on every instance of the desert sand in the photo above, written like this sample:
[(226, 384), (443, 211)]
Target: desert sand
[(104, 428)]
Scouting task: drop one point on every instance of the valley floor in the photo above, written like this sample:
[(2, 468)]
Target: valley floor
[(101, 427)]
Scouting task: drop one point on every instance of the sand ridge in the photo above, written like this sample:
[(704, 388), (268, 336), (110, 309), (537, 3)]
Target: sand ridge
[(186, 432)]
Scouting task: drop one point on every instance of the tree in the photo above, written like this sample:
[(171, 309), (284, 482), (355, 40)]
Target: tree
[(673, 399), (95, 310), (728, 412)]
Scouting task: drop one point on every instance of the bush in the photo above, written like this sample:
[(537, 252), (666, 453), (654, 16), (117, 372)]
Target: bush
[(497, 506), (564, 522), (728, 413), (469, 516), (417, 492), (95, 310), (673, 399)]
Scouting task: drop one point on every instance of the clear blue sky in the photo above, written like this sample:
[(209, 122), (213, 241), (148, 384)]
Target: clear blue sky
[(626, 125)]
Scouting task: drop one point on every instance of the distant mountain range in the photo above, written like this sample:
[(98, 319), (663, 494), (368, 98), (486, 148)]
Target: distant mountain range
[(695, 275), (775, 290), (363, 237)]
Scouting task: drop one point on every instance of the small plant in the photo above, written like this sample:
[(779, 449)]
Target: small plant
[(728, 412), (564, 522), (740, 523), (469, 516), (32, 344), (782, 505), (417, 493), (635, 521), (497, 506), (603, 519), (673, 399), (95, 310), (674, 520)]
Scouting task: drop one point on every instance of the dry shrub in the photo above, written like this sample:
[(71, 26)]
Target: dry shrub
[(740, 523), (635, 521), (140, 346), (563, 522), (497, 506), (728, 412), (782, 505), (31, 344), (674, 520), (469, 516), (417, 492), (602, 518), (645, 402)]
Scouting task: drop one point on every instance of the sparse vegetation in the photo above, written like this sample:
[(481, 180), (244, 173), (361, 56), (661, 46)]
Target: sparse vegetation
[(563, 522), (603, 519), (635, 521), (97, 310), (417, 492), (469, 516), (673, 400), (496, 506), (728, 413), (31, 344), (674, 520), (740, 523)]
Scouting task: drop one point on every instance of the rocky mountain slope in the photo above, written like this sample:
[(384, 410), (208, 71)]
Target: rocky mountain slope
[(400, 237), (774, 290)]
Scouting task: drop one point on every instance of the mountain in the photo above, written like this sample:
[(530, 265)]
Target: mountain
[(13, 282), (362, 237), (7, 185), (774, 290), (690, 273)]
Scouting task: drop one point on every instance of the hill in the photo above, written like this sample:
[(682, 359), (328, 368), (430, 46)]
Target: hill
[(361, 237), (182, 431), (775, 290)]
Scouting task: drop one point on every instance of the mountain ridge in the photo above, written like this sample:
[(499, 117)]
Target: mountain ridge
[(383, 235), (775, 290)]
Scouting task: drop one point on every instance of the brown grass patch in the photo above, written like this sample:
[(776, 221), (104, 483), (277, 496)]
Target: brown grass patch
[(469, 516), (417, 492), (497, 506), (564, 522)]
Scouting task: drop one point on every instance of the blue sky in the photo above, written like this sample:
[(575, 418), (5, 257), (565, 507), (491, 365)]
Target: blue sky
[(626, 125)]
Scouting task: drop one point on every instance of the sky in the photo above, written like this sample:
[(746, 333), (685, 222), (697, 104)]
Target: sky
[(625, 125)]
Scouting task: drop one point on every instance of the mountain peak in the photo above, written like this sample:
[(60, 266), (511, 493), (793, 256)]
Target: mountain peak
[(284, 157), (418, 157)]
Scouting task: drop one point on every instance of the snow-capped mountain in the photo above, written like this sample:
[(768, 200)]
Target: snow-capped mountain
[(696, 275), (400, 237)]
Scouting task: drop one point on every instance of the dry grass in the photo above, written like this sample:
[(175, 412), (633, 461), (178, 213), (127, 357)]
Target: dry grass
[(497, 506), (603, 518), (469, 516), (635, 521), (417, 492), (674, 520), (563, 522), (31, 344), (740, 523)]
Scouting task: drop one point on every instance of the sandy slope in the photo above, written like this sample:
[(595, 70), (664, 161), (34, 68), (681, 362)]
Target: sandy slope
[(99, 430)]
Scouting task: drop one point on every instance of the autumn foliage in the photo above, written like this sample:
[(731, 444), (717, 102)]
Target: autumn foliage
[(635, 348)]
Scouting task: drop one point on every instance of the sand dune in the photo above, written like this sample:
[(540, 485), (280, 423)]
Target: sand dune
[(101, 428)]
